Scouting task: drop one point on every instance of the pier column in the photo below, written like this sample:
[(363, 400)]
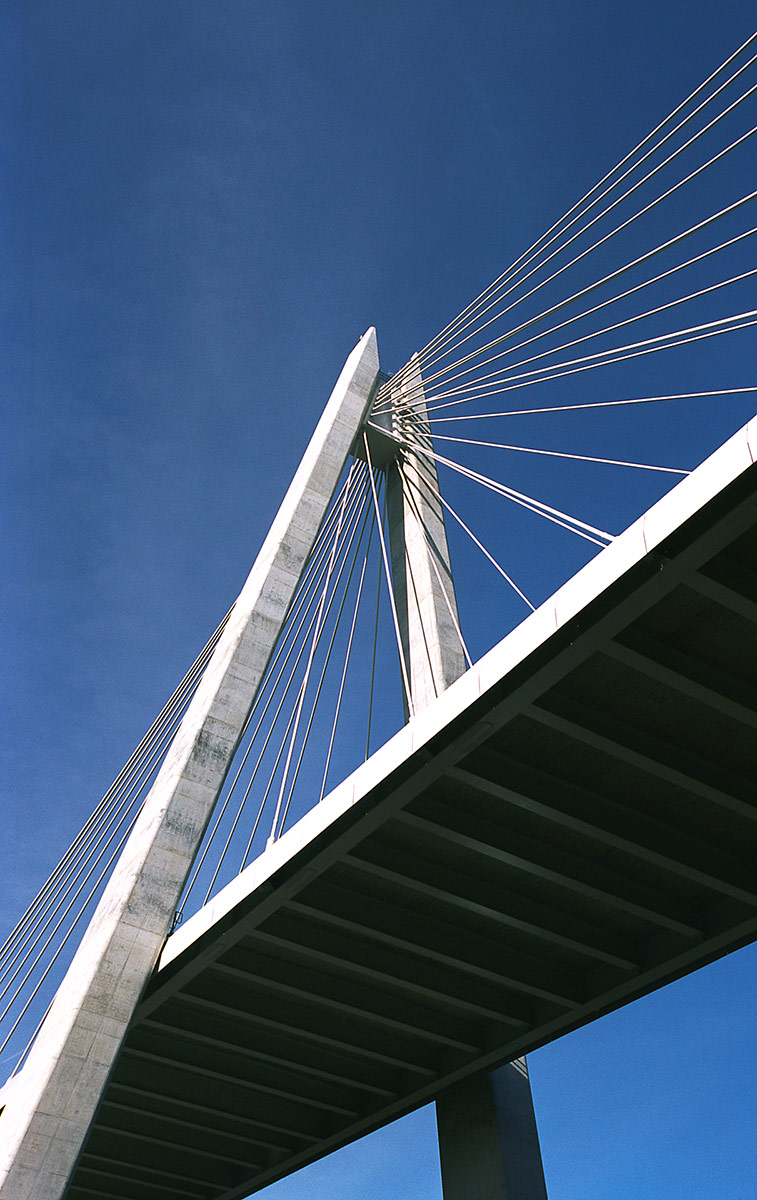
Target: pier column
[(488, 1141)]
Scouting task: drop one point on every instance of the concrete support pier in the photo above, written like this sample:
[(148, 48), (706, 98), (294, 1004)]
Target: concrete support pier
[(488, 1142), (47, 1109)]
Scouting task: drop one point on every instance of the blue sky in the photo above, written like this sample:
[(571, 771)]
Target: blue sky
[(207, 204)]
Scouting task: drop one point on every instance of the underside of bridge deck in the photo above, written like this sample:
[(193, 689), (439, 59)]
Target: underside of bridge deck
[(573, 827)]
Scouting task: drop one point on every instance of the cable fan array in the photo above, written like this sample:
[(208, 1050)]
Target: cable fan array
[(664, 240), (39, 947), (655, 257), (288, 754), (327, 651)]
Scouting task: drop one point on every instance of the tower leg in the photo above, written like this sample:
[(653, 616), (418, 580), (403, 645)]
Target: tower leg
[(424, 591), (47, 1110), (488, 1143)]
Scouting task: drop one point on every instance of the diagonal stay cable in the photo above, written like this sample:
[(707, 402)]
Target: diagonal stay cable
[(576, 208), (595, 245), (416, 600), (267, 789), (324, 575), (161, 735), (82, 910), (79, 881), (518, 382), (528, 255), (502, 374), (373, 658), (21, 1057), (414, 500), (484, 551), (90, 828), (347, 655), (312, 578), (303, 688), (527, 412), (261, 755), (287, 730), (137, 790), (581, 528), (324, 669), (387, 572), (710, 162), (621, 295), (612, 462), (401, 465)]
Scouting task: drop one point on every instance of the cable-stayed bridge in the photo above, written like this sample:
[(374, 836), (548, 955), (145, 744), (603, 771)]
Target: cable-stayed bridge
[(559, 825)]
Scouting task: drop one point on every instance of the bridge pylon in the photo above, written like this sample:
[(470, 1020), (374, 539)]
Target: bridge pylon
[(488, 1142), (47, 1108)]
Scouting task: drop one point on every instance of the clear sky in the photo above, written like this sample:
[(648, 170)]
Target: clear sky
[(208, 202)]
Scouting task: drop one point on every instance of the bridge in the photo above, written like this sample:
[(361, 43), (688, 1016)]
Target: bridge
[(558, 828), (466, 896)]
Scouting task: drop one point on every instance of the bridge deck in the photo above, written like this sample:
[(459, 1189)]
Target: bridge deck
[(571, 826)]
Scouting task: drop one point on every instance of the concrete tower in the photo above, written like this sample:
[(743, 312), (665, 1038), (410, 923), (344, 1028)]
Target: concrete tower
[(488, 1143)]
